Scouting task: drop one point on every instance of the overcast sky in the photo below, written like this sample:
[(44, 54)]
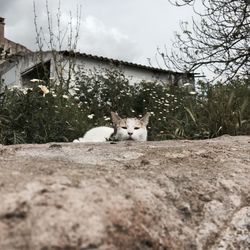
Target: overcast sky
[(129, 30)]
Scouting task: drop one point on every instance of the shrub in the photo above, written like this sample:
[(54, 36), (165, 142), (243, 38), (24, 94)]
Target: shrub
[(39, 115), (29, 116)]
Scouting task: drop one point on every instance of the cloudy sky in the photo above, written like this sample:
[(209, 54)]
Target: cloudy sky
[(129, 30)]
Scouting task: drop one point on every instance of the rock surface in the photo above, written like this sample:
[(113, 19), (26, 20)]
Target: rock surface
[(153, 195)]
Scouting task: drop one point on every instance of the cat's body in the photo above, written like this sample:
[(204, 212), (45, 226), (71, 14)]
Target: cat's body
[(98, 134), (124, 129)]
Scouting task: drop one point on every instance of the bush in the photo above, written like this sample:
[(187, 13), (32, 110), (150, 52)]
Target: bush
[(39, 115), (29, 116)]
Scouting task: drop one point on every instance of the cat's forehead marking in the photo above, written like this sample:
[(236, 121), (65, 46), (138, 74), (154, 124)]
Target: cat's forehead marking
[(130, 122)]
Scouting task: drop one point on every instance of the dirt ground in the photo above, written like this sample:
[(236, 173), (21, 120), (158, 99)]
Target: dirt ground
[(128, 195)]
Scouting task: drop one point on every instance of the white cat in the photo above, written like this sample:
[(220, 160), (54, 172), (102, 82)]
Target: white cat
[(123, 129)]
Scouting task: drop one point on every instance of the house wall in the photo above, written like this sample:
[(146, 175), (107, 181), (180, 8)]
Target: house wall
[(2, 25), (134, 73), (12, 76), (9, 78)]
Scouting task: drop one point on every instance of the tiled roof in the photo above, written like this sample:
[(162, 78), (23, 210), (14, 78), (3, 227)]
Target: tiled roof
[(120, 62)]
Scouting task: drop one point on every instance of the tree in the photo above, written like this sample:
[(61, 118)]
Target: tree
[(218, 40), (57, 37)]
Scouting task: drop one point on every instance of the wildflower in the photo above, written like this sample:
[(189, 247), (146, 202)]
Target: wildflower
[(90, 116), (106, 118), (25, 90), (192, 93), (14, 87), (186, 84), (65, 97), (72, 92), (44, 89), (36, 80)]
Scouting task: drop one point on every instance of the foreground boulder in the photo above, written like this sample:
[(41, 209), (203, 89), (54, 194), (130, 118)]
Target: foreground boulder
[(153, 195)]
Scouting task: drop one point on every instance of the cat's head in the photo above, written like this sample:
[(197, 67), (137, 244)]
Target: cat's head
[(130, 128)]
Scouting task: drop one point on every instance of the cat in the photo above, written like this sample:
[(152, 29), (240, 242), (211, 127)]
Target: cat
[(134, 129)]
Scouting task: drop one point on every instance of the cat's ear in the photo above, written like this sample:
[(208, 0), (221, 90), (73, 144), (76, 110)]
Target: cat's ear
[(115, 117), (145, 118)]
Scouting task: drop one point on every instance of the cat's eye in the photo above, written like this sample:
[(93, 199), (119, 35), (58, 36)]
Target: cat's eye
[(136, 128), (124, 127)]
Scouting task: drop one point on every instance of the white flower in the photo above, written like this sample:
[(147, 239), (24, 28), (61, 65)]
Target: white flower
[(192, 93), (72, 92), (44, 89), (25, 90), (186, 84), (90, 116), (36, 80), (65, 97), (14, 87), (106, 118)]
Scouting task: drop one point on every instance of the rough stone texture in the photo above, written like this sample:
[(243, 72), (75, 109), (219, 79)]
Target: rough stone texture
[(153, 195)]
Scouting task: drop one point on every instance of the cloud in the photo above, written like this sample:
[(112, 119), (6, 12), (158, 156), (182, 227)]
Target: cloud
[(128, 30), (98, 38)]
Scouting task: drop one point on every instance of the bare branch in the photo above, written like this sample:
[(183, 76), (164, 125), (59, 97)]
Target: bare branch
[(219, 41)]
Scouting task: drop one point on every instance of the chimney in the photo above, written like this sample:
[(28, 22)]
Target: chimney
[(1, 31)]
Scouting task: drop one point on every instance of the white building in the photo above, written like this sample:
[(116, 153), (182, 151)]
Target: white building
[(19, 69), (18, 65)]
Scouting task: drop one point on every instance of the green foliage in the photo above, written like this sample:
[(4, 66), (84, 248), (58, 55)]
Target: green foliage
[(30, 117), (102, 92), (36, 115)]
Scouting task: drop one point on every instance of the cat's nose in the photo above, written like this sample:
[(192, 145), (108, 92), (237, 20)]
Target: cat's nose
[(130, 133)]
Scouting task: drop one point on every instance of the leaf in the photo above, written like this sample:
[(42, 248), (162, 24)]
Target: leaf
[(191, 114)]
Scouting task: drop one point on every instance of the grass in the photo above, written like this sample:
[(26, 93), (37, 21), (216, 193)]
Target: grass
[(41, 114)]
